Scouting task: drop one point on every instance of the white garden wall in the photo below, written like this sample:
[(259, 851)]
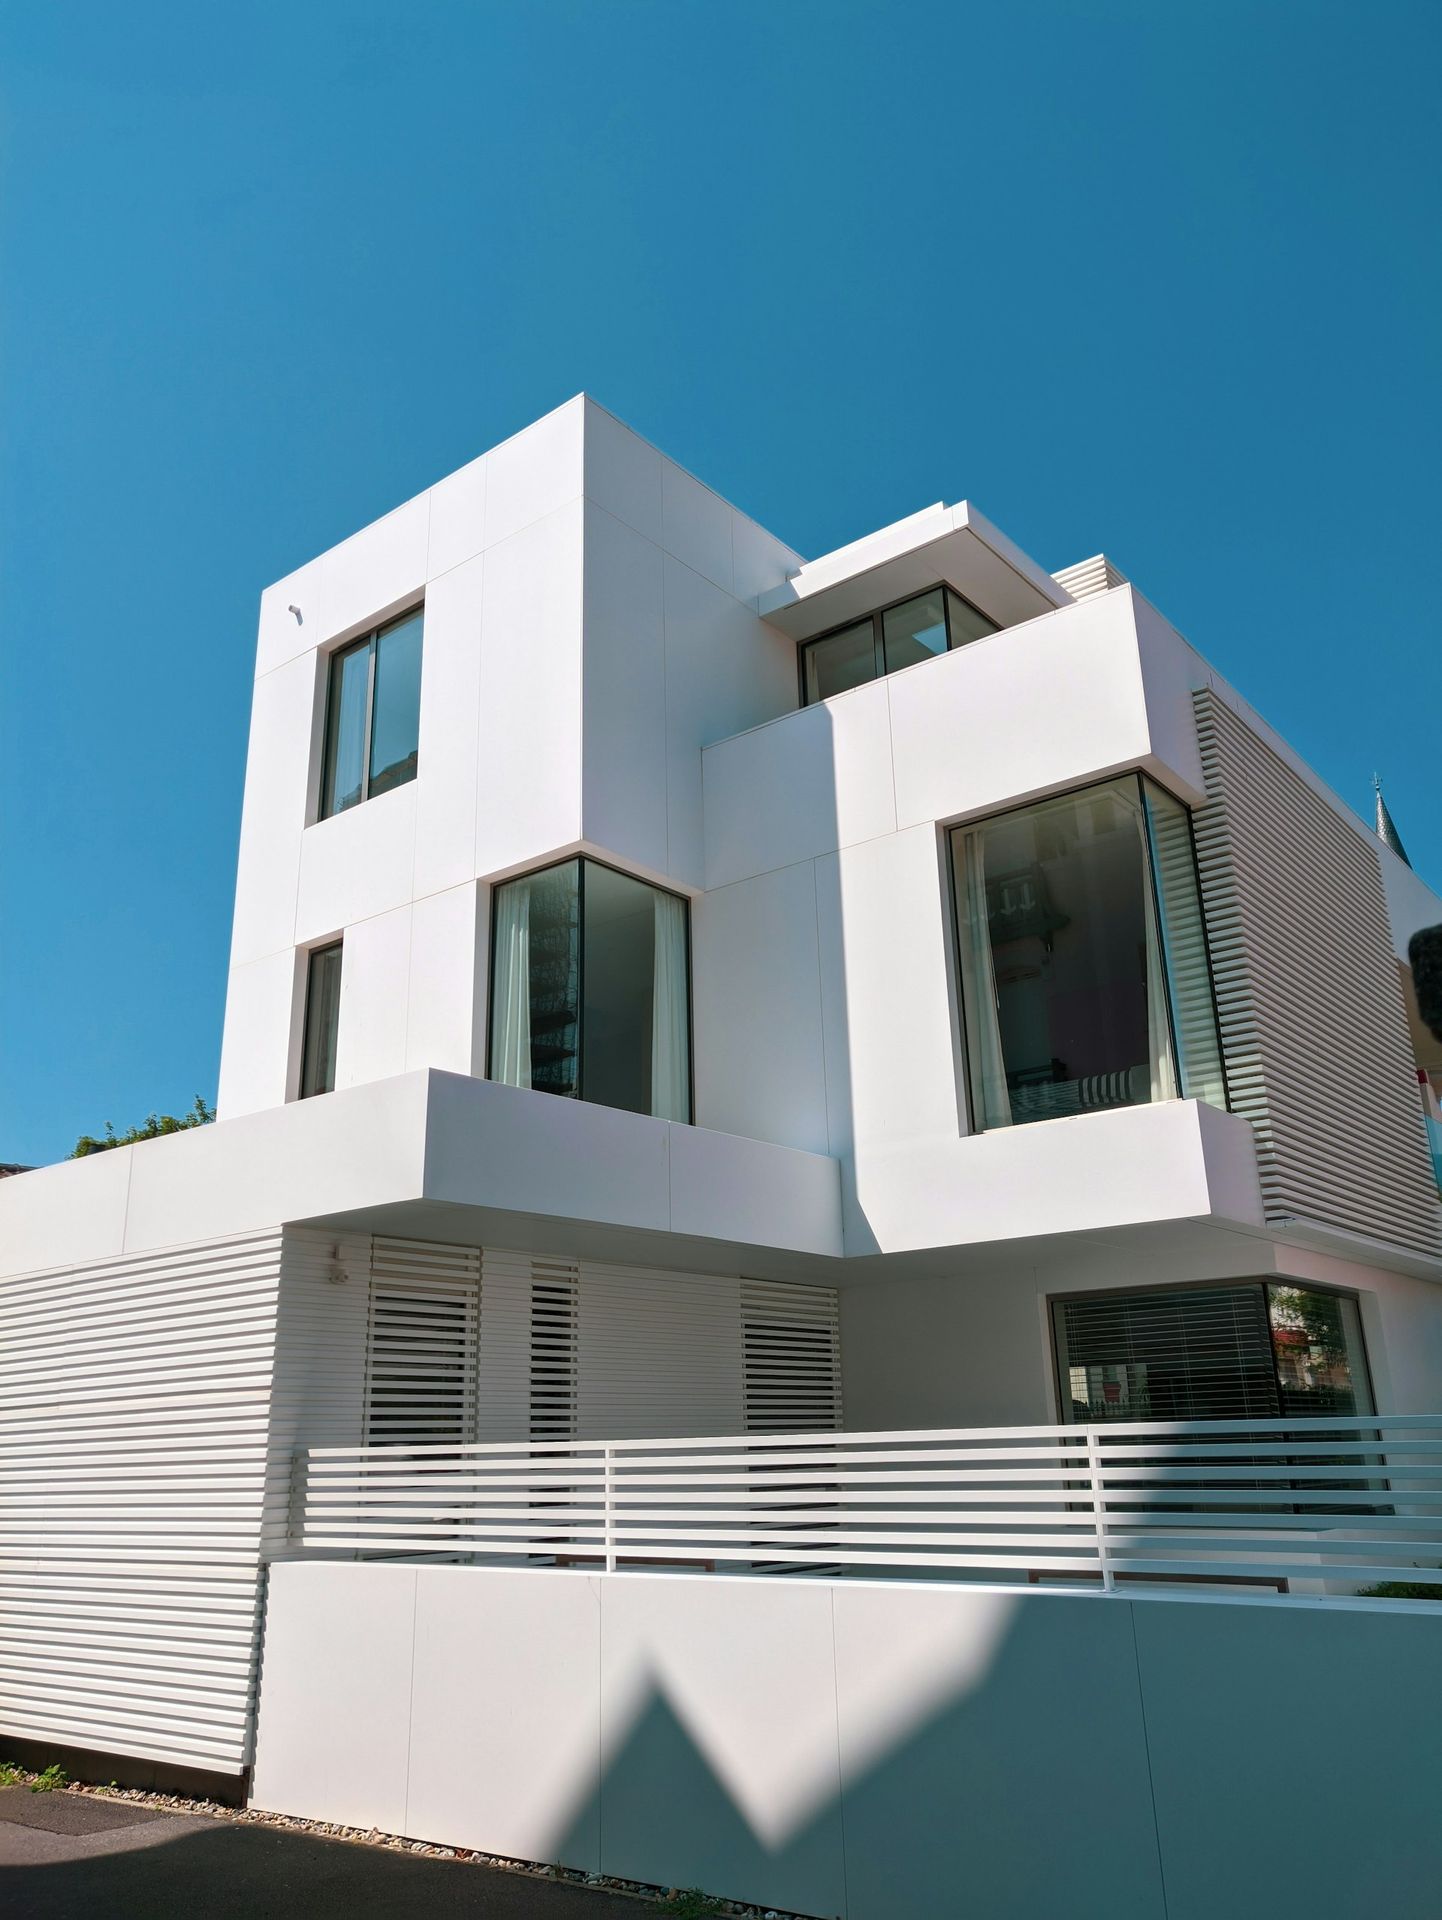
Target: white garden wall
[(873, 1750)]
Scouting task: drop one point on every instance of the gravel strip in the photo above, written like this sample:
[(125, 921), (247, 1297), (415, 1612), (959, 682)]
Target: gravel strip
[(396, 1843)]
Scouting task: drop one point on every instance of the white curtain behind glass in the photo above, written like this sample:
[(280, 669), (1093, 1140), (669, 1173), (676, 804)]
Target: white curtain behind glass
[(979, 981), (670, 1066), (511, 1006)]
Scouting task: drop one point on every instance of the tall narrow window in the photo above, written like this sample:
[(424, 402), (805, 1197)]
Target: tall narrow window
[(373, 715), (322, 1021), (1083, 957), (590, 989)]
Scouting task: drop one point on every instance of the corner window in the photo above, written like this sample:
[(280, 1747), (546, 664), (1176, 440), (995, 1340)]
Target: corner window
[(1262, 1350), (590, 989), (322, 1021), (885, 642), (1084, 969), (373, 715)]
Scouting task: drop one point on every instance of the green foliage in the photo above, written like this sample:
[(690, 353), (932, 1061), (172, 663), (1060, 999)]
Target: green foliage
[(155, 1125), (1400, 1590), (53, 1778), (691, 1904), (1424, 951), (10, 1774)]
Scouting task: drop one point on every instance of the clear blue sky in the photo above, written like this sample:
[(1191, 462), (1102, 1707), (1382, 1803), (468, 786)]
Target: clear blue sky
[(1158, 279)]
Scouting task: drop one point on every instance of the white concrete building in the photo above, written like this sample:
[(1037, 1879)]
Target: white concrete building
[(682, 990)]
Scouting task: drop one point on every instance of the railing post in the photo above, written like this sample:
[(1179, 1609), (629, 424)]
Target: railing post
[(1099, 1508), (609, 1519)]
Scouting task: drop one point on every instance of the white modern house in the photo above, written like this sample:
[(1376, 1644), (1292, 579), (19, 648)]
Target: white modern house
[(820, 1235)]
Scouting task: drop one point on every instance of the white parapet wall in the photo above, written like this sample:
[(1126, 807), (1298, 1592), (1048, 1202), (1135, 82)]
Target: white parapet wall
[(878, 1750)]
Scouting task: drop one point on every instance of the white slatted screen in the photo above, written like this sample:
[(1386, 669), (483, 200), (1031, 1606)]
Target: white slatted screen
[(792, 1357), (135, 1399), (1314, 1030), (424, 1328)]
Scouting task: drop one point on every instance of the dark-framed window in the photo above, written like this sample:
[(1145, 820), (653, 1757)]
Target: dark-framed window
[(1085, 974), (901, 635), (591, 988), (322, 1020), (373, 714), (1233, 1350)]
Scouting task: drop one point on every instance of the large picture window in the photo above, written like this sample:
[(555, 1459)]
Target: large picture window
[(1261, 1350), (1084, 969), (373, 715), (590, 989)]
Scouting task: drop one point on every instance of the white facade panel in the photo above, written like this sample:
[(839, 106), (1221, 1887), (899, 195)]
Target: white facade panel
[(445, 1024), (261, 1033), (377, 571), (446, 759), (623, 751), (756, 995), (282, 723), (536, 471), (528, 782), (660, 1353), (374, 989), (458, 519), (623, 473), (357, 864)]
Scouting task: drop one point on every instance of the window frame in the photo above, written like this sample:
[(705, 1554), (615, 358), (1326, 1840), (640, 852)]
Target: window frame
[(312, 955), (333, 659), (1263, 1283), (878, 640), (581, 862), (1154, 884)]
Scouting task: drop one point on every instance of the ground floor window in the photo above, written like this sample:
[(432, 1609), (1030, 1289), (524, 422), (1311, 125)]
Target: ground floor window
[(1259, 1349)]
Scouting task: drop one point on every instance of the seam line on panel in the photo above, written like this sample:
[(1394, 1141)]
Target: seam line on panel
[(1147, 1755)]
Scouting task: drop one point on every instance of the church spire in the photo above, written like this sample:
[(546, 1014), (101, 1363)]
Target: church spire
[(1386, 827)]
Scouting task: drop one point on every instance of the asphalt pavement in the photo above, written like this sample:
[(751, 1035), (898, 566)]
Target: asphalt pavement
[(69, 1856)]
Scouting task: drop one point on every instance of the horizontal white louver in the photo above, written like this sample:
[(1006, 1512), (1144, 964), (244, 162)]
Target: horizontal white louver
[(1090, 577), (134, 1427), (1314, 1031), (423, 1334), (791, 1356)]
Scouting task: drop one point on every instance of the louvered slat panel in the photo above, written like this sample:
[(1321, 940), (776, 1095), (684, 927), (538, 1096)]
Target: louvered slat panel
[(134, 1435), (555, 1286), (422, 1343), (1314, 1032), (792, 1357)]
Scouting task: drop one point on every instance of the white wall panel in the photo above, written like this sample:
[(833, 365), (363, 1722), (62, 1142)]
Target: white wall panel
[(528, 794), (444, 1019), (660, 1353), (458, 518), (445, 788), (374, 983), (623, 472), (535, 471), (256, 1046), (695, 524), (134, 1417), (356, 864), (273, 816), (756, 992), (623, 753), (367, 576)]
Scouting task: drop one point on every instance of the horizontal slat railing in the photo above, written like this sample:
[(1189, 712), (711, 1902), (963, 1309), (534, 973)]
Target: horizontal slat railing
[(1327, 1504)]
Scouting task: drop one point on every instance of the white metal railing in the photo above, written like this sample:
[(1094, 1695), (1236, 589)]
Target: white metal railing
[(1331, 1504)]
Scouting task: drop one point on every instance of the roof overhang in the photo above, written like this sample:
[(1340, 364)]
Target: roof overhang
[(956, 544)]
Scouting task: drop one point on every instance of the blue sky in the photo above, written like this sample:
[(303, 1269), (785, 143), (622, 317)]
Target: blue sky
[(1162, 280)]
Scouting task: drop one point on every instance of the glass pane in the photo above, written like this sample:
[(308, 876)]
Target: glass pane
[(914, 631), (1184, 948), (322, 1022), (396, 720), (345, 736), (535, 982), (967, 622), (1061, 965), (1180, 1353), (619, 989), (1317, 1339), (846, 659)]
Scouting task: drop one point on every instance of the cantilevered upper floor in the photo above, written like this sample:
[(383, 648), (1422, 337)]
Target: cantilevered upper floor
[(968, 877)]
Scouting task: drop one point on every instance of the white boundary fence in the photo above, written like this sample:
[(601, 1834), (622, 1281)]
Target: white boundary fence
[(1329, 1503)]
